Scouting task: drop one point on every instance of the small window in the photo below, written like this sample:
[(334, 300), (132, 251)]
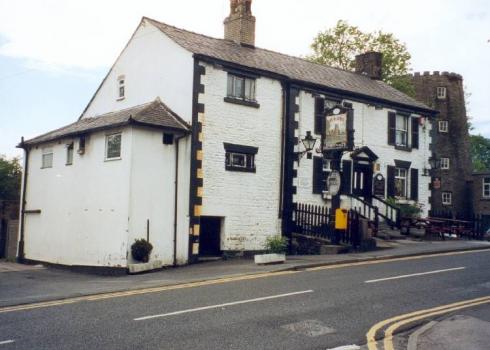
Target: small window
[(240, 158), (441, 92), (47, 158), (447, 198), (443, 126), (241, 88), (401, 130), (168, 139), (69, 154), (113, 147), (401, 182), (486, 187), (121, 85), (445, 163)]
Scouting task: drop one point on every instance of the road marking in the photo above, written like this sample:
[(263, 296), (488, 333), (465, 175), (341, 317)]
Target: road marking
[(135, 292), (223, 305), (387, 260), (371, 334), (7, 342), (413, 275)]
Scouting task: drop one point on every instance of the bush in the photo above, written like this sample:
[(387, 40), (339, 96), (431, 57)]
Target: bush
[(276, 245), (406, 210), (141, 250)]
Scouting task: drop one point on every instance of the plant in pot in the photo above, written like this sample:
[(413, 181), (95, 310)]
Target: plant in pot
[(408, 212), (141, 250), (276, 247)]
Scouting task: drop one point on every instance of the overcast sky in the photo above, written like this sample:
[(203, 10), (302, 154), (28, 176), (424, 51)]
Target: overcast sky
[(54, 53)]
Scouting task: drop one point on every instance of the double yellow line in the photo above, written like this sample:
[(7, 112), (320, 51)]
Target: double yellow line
[(395, 323)]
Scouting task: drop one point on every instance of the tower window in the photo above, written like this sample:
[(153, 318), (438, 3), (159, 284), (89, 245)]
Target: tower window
[(445, 163), (443, 126), (447, 198), (441, 92)]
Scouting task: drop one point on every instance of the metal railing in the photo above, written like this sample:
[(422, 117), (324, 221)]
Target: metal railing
[(388, 212)]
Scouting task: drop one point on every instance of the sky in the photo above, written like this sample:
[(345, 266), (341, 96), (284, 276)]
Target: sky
[(54, 53)]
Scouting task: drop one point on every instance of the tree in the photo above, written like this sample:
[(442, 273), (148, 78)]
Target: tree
[(480, 152), (10, 178), (338, 47)]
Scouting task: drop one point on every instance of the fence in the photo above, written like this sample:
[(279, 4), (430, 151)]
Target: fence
[(475, 224)]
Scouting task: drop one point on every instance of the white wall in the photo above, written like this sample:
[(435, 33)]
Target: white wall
[(249, 202), (153, 65), (152, 194), (84, 206)]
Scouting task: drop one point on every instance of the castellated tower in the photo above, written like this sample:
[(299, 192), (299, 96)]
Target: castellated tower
[(450, 141), (240, 24)]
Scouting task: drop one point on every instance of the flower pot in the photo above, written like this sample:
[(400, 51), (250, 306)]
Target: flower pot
[(264, 259)]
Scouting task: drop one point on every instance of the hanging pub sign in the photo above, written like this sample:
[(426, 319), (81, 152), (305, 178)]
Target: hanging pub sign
[(336, 132)]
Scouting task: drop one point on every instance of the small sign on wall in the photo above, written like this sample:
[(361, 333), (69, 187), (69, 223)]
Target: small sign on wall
[(379, 185), (436, 184)]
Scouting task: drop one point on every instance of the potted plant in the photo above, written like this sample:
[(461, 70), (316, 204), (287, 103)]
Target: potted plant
[(141, 250), (276, 247)]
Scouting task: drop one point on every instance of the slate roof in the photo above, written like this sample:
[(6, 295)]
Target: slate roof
[(294, 68), (153, 114)]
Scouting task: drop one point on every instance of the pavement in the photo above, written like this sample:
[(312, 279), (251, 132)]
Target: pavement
[(29, 284), (324, 307)]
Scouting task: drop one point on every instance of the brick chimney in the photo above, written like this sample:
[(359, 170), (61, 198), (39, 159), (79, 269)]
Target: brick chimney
[(369, 64), (240, 24)]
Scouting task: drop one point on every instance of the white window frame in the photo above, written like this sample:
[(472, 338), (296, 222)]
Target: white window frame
[(447, 198), (107, 138), (443, 126), (486, 187), (441, 92), (445, 163), (402, 130), (69, 153), (404, 178), (47, 158), (121, 88), (241, 88)]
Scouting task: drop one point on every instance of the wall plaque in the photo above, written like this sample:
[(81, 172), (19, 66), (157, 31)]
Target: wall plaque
[(379, 185)]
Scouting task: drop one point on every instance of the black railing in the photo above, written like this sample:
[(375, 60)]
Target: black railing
[(390, 213), (313, 220), (365, 209)]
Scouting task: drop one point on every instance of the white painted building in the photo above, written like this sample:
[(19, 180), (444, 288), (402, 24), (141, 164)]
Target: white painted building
[(192, 142)]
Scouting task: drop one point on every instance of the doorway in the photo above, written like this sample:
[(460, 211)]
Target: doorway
[(362, 180), (3, 238), (210, 236)]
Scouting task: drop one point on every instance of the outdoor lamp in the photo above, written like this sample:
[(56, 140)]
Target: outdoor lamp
[(434, 163), (309, 143)]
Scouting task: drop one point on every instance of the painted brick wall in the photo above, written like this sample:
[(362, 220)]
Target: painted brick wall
[(248, 202)]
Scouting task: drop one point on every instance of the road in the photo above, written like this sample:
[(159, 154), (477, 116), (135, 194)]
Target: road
[(314, 309)]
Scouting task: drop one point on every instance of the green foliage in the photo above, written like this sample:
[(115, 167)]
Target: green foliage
[(276, 245), (10, 178), (338, 47), (406, 210), (480, 152), (141, 250)]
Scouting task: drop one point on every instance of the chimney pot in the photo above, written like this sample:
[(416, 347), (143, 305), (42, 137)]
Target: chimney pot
[(370, 64), (240, 24)]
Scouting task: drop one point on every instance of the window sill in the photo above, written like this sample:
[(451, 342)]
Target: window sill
[(242, 102), (120, 98), (112, 159), (403, 148), (238, 169), (46, 167)]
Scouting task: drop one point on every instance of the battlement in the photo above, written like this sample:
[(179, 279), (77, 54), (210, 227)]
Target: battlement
[(436, 74)]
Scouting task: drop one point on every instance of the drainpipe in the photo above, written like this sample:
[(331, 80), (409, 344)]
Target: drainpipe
[(21, 254), (176, 184)]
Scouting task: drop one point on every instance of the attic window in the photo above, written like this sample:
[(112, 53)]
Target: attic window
[(121, 85)]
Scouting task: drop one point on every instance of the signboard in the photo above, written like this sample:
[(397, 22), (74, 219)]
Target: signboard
[(333, 183), (336, 129), (436, 183), (379, 186)]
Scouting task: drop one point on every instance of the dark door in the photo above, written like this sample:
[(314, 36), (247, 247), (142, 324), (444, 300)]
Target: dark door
[(210, 236), (362, 180), (3, 238)]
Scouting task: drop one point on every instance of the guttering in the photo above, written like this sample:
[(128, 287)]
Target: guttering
[(328, 91), (21, 252), (176, 194)]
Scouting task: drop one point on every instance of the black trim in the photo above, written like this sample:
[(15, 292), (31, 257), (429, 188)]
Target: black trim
[(319, 115), (415, 133), (403, 164), (390, 181), (319, 176), (241, 102), (241, 73), (346, 183), (239, 169), (371, 155), (403, 148), (391, 128), (230, 147), (414, 184)]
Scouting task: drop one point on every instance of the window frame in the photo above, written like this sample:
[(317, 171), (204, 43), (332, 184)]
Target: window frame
[(232, 87), (441, 92), (247, 153), (121, 87), (397, 176), (106, 153), (47, 151), (447, 198), (445, 163), (443, 126), (486, 188), (69, 153)]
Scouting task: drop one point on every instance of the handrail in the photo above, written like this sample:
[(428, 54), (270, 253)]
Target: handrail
[(390, 213), (372, 211)]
